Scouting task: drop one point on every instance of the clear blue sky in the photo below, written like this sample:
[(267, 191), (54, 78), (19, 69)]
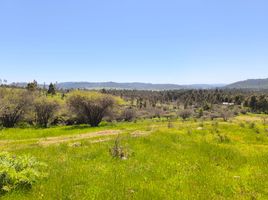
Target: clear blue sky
[(167, 41)]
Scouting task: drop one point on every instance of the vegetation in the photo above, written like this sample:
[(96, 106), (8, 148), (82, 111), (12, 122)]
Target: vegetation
[(196, 144), (51, 89), (45, 110), (18, 172), (42, 107), (90, 107), (221, 160), (13, 106)]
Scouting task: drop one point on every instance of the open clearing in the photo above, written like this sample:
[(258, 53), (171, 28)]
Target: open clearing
[(191, 159)]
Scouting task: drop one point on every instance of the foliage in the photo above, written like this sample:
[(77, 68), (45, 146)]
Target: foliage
[(188, 162), (185, 114), (13, 106), (129, 114), (51, 89), (18, 172), (32, 86), (45, 109), (90, 106)]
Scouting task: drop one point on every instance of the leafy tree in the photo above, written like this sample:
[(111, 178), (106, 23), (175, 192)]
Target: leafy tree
[(51, 89), (32, 86), (45, 109), (91, 106), (13, 105), (253, 103)]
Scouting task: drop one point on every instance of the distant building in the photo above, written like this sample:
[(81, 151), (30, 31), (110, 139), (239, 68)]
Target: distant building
[(227, 104)]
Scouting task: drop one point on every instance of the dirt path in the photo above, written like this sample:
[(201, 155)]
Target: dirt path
[(100, 136), (62, 139)]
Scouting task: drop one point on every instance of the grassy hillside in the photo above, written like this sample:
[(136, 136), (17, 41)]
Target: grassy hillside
[(168, 160)]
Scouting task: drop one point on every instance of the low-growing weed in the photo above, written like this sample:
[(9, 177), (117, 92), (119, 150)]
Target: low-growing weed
[(119, 151), (221, 138)]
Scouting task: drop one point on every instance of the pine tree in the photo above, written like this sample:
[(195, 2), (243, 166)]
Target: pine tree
[(51, 89)]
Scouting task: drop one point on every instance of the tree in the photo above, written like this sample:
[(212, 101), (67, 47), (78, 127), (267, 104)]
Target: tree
[(90, 106), (13, 105), (253, 103), (45, 109), (32, 86), (51, 89)]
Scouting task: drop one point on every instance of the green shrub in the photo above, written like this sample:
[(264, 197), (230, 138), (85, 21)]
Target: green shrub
[(19, 172)]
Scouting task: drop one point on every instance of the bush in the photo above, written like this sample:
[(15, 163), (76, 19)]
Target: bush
[(90, 106), (129, 114), (185, 114), (13, 105), (19, 172), (226, 115), (45, 109)]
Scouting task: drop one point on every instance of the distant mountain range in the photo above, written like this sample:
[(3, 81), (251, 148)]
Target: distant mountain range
[(127, 86), (254, 84), (133, 86)]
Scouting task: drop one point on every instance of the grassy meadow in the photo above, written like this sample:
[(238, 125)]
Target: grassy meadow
[(175, 159)]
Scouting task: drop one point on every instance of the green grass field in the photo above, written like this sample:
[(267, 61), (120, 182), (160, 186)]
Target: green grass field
[(168, 160)]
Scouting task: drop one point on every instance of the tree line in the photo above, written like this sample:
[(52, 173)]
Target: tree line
[(48, 106)]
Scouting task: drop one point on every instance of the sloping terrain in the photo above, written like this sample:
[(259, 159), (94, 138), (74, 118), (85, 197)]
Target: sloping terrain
[(250, 84)]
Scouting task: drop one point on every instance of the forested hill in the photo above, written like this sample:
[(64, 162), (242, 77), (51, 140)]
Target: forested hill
[(254, 84), (126, 86), (250, 84), (132, 86)]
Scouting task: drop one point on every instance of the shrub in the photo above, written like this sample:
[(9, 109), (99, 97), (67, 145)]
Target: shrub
[(226, 115), (45, 109), (185, 114), (243, 111), (13, 106), (90, 106), (19, 172), (129, 114)]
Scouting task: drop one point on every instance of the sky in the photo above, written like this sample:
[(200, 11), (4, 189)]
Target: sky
[(167, 41)]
